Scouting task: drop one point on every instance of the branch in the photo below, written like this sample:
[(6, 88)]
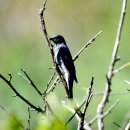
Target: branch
[(113, 94), (82, 124), (86, 45), (48, 84), (121, 68), (87, 101), (105, 114), (50, 46), (127, 126), (52, 87), (27, 78), (117, 125), (29, 119), (111, 68), (38, 109), (2, 108), (78, 114)]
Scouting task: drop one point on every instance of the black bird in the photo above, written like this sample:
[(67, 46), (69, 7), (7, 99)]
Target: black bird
[(64, 62)]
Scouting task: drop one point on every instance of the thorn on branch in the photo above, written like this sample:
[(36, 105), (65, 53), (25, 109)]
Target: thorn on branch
[(10, 76), (14, 96)]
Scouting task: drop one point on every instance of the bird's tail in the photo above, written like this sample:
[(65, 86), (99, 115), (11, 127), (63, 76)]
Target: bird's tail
[(76, 79)]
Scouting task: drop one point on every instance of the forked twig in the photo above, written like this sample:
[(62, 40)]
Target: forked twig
[(109, 110), (87, 101)]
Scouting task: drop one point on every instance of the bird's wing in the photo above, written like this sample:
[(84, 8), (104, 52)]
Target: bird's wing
[(66, 58)]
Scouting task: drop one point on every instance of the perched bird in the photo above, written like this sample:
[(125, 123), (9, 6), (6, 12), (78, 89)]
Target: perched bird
[(64, 62)]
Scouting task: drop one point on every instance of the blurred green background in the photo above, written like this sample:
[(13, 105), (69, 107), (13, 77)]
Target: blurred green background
[(22, 45)]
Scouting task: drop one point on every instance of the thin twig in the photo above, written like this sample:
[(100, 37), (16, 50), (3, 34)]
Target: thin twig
[(4, 109), (87, 101), (89, 95), (112, 94), (38, 109), (48, 84), (82, 124), (121, 68), (29, 118), (52, 87), (117, 125), (78, 115), (77, 109), (109, 110), (27, 78), (106, 95), (86, 45)]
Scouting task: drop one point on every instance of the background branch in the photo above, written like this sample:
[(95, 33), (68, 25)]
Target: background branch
[(27, 78), (109, 110), (111, 68), (38, 109)]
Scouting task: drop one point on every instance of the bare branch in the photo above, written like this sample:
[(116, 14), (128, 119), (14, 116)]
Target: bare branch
[(117, 125), (52, 87), (127, 126), (111, 68), (121, 68), (3, 109), (29, 118), (48, 84), (82, 124), (88, 97), (105, 114), (86, 45), (27, 78), (38, 109), (50, 46), (87, 101), (76, 112), (112, 94)]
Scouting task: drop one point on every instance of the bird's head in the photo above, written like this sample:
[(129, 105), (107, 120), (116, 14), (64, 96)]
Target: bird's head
[(58, 39)]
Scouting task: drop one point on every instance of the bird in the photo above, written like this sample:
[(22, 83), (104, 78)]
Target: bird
[(64, 62)]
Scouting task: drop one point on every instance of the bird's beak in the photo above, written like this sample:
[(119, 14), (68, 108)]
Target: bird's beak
[(50, 39)]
